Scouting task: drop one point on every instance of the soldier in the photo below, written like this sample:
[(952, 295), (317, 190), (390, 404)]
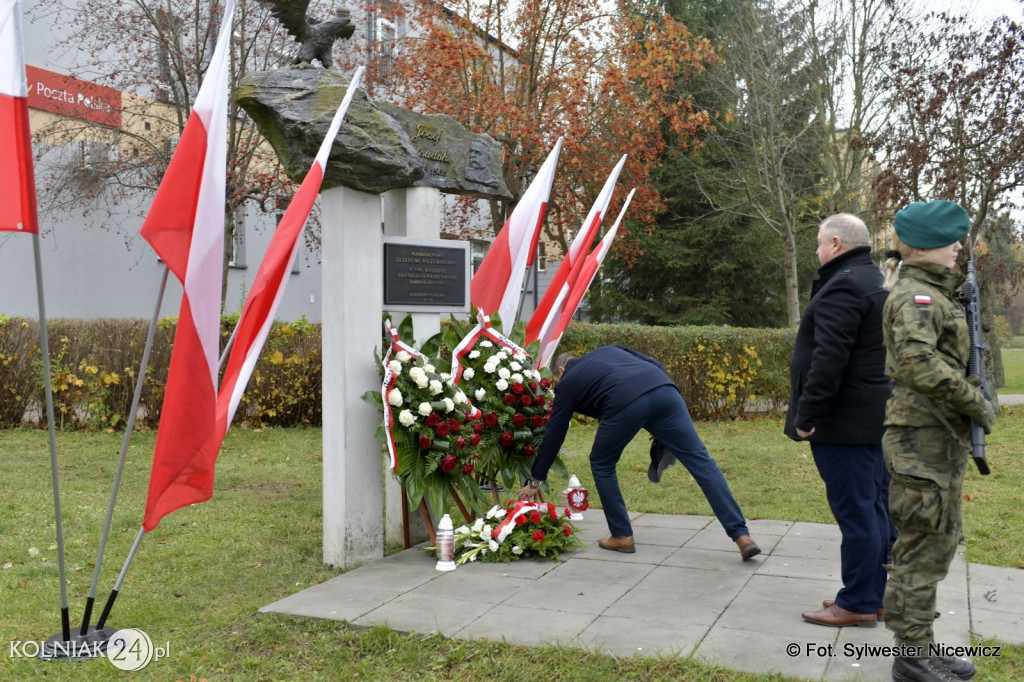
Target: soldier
[(927, 419)]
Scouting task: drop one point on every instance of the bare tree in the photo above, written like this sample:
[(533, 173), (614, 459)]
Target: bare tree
[(156, 54)]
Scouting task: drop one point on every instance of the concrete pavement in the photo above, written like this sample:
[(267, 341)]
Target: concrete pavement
[(684, 592)]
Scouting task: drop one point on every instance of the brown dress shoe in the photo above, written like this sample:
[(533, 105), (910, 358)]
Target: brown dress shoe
[(618, 543), (837, 617), (748, 548), (829, 602)]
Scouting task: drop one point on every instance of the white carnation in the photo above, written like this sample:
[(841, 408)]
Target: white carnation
[(517, 378), (517, 550), (435, 387), (477, 525), (500, 513), (501, 385), (424, 409), (449, 405), (469, 373), (403, 356), (486, 344), (480, 393), (489, 368), (406, 419), (493, 545), (460, 397), (395, 397), (515, 366), (474, 354), (504, 373), (501, 355)]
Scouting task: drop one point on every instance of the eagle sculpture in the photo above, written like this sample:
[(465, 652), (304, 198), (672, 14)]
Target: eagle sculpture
[(316, 38)]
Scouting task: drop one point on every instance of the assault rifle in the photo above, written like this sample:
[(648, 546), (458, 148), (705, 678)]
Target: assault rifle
[(976, 363)]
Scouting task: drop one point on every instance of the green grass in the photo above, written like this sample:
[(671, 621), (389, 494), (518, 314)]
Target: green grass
[(199, 579), (1013, 370)]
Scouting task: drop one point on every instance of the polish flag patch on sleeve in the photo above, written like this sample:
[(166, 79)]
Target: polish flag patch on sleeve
[(922, 298)]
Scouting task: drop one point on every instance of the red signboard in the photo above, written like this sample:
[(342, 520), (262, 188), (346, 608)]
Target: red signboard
[(72, 97)]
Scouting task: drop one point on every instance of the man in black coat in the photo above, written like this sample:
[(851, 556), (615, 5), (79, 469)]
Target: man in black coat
[(628, 391), (837, 402)]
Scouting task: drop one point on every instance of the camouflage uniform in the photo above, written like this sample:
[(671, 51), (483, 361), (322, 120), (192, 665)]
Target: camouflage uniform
[(927, 348)]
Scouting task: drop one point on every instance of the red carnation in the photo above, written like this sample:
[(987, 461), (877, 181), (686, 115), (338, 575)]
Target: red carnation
[(491, 420), (509, 399), (478, 426), (454, 424), (538, 536), (566, 512), (518, 420), (529, 451), (566, 530), (551, 512), (526, 400), (520, 520), (545, 383), (534, 517), (517, 387), (467, 469), (541, 401), (474, 439), (442, 429), (506, 439), (432, 420), (460, 442), (448, 462), (424, 442)]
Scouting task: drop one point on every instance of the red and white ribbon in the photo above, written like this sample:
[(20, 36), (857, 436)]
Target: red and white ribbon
[(390, 379)]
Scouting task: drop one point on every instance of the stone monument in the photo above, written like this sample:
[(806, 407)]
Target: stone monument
[(385, 162)]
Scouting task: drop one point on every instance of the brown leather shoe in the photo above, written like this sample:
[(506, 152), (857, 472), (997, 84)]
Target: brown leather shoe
[(618, 543), (837, 617), (748, 548), (829, 602)]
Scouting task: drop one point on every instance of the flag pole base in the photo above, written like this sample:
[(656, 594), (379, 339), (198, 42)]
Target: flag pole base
[(78, 648)]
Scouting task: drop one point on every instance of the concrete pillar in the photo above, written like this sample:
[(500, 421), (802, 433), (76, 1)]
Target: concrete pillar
[(352, 275), (413, 212)]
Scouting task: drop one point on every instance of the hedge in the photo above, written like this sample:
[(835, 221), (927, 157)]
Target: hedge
[(723, 372)]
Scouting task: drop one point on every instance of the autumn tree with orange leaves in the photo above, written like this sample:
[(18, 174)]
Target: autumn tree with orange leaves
[(526, 73)]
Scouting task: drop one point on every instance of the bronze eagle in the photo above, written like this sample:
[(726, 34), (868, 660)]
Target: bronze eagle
[(315, 38)]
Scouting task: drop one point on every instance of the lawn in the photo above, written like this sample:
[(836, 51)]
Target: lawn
[(200, 577), (1013, 369)]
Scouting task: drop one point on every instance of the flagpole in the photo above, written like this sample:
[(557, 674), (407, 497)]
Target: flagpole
[(129, 427), (44, 345), (120, 579)]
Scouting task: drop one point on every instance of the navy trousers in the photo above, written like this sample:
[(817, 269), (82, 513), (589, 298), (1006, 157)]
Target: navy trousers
[(662, 412), (857, 487)]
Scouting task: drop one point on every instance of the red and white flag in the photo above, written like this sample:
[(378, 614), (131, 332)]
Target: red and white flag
[(547, 313), (185, 226), (272, 278), (579, 289), (17, 176), (496, 286)]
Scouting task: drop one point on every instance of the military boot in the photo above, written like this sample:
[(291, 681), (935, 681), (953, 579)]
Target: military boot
[(932, 669), (961, 667)]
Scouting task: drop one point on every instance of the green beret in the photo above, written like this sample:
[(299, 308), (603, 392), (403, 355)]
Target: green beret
[(931, 224)]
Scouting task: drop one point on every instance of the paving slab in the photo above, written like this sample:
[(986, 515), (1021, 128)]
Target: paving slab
[(684, 592)]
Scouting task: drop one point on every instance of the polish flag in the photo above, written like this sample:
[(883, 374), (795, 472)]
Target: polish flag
[(498, 281), (579, 289), (546, 313), (17, 176), (272, 278), (185, 226)]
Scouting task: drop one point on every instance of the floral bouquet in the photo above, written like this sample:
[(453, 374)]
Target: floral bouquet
[(520, 529), (515, 400), (431, 430)]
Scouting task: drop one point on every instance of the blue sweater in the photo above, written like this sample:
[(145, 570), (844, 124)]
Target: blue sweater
[(598, 384)]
